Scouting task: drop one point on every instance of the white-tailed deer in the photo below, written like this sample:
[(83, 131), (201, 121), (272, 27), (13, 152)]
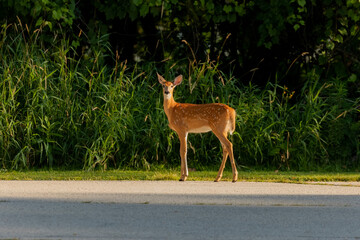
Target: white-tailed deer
[(187, 118)]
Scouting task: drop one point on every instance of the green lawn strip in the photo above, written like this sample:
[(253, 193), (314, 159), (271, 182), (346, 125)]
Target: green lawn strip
[(300, 177), (132, 175)]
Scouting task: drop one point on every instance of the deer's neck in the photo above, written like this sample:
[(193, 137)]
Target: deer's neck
[(169, 104)]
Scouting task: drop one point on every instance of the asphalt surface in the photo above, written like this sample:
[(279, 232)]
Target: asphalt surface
[(178, 210)]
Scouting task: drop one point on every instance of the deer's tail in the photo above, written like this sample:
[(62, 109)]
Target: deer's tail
[(232, 121)]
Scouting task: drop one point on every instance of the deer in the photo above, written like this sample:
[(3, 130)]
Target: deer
[(187, 118)]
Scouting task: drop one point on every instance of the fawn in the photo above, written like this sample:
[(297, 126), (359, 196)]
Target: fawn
[(187, 118)]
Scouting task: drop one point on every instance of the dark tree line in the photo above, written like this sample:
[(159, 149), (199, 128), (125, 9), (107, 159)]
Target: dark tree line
[(256, 40)]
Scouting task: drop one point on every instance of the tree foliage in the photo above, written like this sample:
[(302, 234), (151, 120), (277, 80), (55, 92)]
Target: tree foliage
[(264, 35)]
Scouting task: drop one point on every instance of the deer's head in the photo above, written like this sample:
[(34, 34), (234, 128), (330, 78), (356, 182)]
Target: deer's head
[(168, 87)]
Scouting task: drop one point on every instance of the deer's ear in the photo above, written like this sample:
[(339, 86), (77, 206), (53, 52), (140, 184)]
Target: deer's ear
[(161, 80), (178, 80)]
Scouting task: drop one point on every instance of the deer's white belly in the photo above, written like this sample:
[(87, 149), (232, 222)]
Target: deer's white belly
[(200, 129)]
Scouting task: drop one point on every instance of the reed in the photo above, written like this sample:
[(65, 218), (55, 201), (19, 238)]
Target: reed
[(62, 108)]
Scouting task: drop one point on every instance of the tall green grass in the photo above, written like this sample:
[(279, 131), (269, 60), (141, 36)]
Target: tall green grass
[(87, 110)]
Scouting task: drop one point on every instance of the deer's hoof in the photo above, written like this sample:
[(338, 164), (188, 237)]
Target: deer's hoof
[(183, 179)]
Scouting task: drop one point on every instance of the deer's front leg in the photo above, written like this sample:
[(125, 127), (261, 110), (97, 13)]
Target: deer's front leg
[(183, 152)]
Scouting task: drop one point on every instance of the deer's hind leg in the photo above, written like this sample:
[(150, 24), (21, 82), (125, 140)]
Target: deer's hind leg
[(227, 145), (222, 166)]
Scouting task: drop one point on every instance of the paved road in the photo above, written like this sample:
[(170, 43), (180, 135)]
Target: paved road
[(177, 210)]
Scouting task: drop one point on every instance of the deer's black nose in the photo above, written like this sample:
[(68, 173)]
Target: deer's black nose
[(167, 92)]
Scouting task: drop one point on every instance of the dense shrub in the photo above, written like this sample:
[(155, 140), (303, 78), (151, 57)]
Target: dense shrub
[(60, 109), (78, 85)]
